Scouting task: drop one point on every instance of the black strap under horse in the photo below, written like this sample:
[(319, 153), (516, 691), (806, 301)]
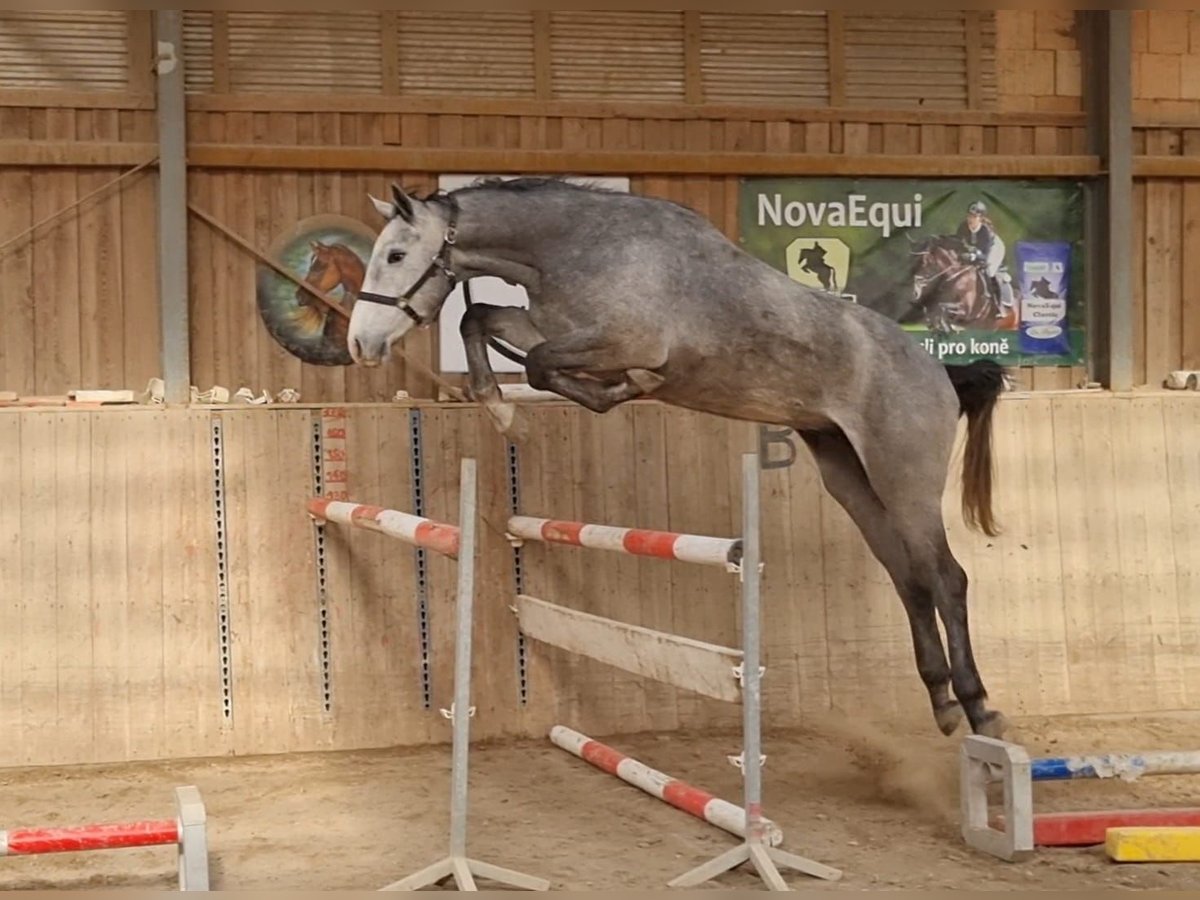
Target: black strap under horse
[(439, 263)]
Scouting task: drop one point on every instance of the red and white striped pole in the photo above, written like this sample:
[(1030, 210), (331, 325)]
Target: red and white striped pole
[(187, 831), (681, 795), (415, 530), (691, 548), (31, 841)]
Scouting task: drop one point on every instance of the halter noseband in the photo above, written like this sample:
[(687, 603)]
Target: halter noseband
[(440, 262)]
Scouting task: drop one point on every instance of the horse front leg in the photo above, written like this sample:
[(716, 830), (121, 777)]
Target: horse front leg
[(594, 372), (511, 325)]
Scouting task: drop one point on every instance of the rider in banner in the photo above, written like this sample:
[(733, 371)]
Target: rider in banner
[(987, 249)]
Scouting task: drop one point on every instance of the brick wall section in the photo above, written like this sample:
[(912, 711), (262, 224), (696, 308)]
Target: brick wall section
[(1166, 70), (1038, 61)]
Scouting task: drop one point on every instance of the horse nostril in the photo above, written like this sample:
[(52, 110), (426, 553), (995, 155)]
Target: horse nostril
[(355, 349)]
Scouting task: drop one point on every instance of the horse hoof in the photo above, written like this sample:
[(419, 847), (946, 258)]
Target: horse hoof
[(949, 717), (509, 421), (502, 415), (994, 725)]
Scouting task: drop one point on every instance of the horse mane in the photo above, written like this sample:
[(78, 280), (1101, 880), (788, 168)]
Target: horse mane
[(528, 184)]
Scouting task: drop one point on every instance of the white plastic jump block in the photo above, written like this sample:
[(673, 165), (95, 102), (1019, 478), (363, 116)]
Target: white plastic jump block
[(980, 758)]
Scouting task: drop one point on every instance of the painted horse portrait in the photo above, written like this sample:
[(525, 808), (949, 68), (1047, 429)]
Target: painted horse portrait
[(330, 266), (632, 296), (951, 293)]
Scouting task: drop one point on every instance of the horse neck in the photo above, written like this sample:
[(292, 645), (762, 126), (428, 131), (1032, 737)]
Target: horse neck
[(501, 234)]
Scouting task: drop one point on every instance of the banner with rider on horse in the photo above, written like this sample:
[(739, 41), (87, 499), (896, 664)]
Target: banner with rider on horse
[(974, 269)]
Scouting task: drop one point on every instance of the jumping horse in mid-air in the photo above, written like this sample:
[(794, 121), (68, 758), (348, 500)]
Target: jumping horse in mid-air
[(633, 296)]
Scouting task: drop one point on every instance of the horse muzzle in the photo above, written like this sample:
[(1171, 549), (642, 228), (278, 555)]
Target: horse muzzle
[(368, 353)]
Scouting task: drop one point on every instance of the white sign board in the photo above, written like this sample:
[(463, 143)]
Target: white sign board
[(453, 358)]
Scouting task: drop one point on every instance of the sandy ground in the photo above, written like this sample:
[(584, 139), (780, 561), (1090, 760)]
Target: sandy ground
[(879, 805)]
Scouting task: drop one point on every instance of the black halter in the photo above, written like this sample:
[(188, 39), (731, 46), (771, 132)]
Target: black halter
[(440, 263)]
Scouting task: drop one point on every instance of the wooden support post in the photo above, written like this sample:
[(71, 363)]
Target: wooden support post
[(693, 70), (1108, 59), (837, 57), (172, 206), (221, 59), (543, 61)]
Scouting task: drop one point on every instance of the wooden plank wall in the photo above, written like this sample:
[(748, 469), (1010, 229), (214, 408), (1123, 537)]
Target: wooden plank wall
[(81, 306), (92, 321), (231, 347), (109, 576), (80, 298)]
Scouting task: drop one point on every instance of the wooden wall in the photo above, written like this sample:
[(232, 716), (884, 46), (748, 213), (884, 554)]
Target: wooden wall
[(82, 311), (110, 575), (79, 303), (825, 93)]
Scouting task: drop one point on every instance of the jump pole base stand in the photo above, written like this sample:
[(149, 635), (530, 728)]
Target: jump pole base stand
[(193, 839), (766, 861), (979, 758), (464, 871), (458, 865)]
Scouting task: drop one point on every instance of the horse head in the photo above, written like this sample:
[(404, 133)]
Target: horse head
[(408, 277)]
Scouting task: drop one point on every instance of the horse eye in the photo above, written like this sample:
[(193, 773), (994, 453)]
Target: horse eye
[(395, 256)]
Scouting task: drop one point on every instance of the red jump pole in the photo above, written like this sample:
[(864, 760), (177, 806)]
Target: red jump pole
[(187, 832), (1087, 829), (30, 841)]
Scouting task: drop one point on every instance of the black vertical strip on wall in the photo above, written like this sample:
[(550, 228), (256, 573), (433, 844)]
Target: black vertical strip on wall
[(514, 508), (224, 630), (418, 502), (325, 649)]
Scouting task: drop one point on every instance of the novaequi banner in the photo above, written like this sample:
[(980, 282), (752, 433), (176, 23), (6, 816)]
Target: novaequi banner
[(973, 269)]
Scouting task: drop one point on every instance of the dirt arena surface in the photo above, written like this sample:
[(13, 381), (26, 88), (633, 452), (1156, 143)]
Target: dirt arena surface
[(880, 805)]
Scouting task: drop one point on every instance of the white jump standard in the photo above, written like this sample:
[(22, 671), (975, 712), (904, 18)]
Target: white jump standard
[(460, 543), (719, 672), (985, 760), (186, 831)]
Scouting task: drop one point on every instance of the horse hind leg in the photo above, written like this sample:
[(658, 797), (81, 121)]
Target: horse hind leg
[(844, 477)]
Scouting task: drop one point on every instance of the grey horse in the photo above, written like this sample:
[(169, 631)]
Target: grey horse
[(633, 296)]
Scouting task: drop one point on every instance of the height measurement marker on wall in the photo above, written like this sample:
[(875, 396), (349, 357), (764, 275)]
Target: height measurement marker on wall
[(333, 445)]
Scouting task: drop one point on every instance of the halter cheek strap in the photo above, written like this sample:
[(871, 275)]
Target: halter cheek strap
[(440, 263)]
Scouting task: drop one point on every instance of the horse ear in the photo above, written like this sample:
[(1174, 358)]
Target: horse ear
[(384, 209), (403, 202)]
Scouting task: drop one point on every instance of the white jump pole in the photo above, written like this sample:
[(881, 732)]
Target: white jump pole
[(635, 649), (458, 865), (457, 543), (756, 849), (679, 794)]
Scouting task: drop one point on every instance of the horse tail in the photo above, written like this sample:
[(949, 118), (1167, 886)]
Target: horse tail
[(978, 386)]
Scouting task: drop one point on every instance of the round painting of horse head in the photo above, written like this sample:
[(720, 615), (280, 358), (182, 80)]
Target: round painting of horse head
[(330, 253)]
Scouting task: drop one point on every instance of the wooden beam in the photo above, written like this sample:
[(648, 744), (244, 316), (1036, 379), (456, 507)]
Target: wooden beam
[(602, 109), (172, 208), (836, 27), (103, 154), (706, 669), (141, 51), (693, 63), (543, 59), (415, 159), (222, 65), (974, 41), (1116, 33), (389, 43), (39, 98), (1166, 167)]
